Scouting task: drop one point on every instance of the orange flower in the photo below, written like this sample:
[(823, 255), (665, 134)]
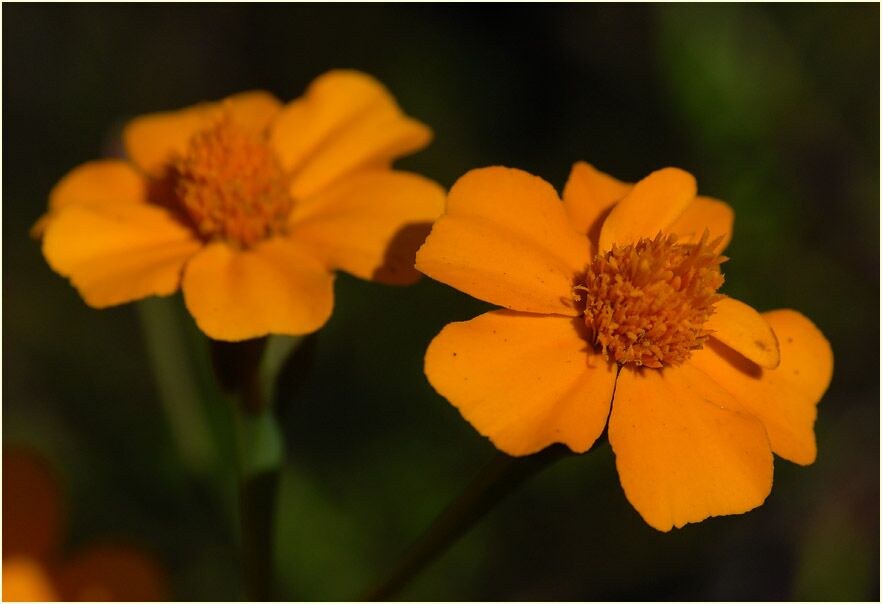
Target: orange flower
[(612, 301), (34, 568), (248, 206)]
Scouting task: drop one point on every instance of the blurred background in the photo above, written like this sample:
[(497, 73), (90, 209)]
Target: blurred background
[(775, 109)]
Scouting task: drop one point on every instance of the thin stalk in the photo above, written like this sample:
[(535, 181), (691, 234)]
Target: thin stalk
[(260, 452), (493, 483), (238, 368)]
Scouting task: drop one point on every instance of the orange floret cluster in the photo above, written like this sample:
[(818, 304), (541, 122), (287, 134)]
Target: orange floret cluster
[(647, 303), (232, 186)]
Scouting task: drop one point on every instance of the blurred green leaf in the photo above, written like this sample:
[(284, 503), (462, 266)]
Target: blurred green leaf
[(182, 398)]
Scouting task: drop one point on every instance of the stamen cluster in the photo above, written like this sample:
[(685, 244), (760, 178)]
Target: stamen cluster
[(232, 186), (647, 303)]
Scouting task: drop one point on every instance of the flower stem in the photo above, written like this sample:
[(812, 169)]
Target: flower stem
[(496, 480), (260, 450), (260, 454)]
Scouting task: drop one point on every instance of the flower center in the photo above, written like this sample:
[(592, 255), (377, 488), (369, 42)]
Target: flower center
[(647, 303), (231, 185)]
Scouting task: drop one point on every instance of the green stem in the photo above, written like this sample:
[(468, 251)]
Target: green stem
[(496, 480), (240, 371), (237, 369), (260, 455)]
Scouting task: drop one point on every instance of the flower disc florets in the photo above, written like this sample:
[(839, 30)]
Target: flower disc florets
[(232, 185), (647, 303)]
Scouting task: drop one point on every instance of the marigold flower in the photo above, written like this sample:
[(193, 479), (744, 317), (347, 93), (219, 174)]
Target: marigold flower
[(35, 569), (248, 206), (613, 321)]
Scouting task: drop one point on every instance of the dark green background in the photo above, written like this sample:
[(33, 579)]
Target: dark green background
[(773, 108)]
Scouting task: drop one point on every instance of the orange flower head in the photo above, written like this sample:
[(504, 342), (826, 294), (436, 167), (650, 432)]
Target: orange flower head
[(25, 580), (36, 566), (249, 207), (647, 303), (232, 185), (612, 323)]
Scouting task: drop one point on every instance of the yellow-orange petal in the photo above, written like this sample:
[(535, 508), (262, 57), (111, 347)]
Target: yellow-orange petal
[(785, 398), (25, 580), (652, 205), (118, 254), (743, 329), (151, 140), (524, 381), (274, 287), (95, 183), (505, 238), (112, 572), (705, 213), (682, 453), (588, 197), (345, 121), (370, 223), (33, 517)]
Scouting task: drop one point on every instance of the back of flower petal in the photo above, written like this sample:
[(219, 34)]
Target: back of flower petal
[(743, 329), (589, 195), (152, 140), (345, 121), (524, 381), (705, 213), (681, 451), (651, 206), (118, 254), (273, 287), (784, 398), (505, 238), (370, 223)]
